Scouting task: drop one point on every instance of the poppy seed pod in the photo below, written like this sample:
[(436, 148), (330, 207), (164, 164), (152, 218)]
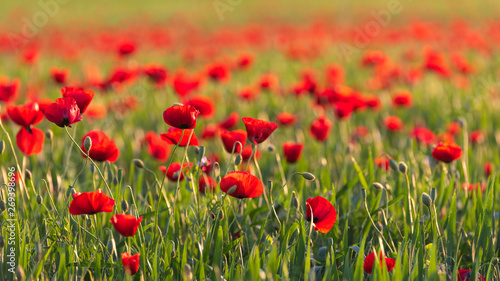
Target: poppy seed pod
[(237, 160), (308, 176), (138, 163), (378, 185), (403, 168), (394, 165), (28, 175), (2, 147), (426, 200), (49, 134), (87, 143), (124, 206)]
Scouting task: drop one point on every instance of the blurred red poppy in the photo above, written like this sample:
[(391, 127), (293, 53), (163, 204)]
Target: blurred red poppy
[(292, 151), (241, 185), (89, 203), (218, 71), (103, 148), (157, 147), (320, 128), (206, 183), (184, 83), (64, 112), (82, 97), (423, 135), (173, 136), (402, 99), (453, 128), (229, 140), (382, 162), (8, 89), (126, 225), (465, 275), (96, 111), (156, 73), (130, 263), (447, 152), (181, 116), (473, 186), (370, 261), (25, 115), (322, 212), (343, 110), (174, 171), (203, 104), (59, 75), (258, 130), (393, 123), (286, 119), (488, 168), (30, 140), (269, 82), (247, 151), (476, 137), (230, 122), (126, 48), (248, 93)]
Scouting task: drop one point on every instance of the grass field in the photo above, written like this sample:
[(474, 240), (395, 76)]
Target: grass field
[(378, 137)]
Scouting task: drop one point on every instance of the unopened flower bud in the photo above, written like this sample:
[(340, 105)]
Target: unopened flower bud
[(39, 199), (426, 200), (28, 175), (124, 206), (138, 163), (217, 179), (201, 151), (308, 176), (330, 242), (378, 185), (394, 165), (237, 160), (363, 193), (494, 261), (271, 148), (49, 134), (433, 194), (2, 147), (119, 175), (87, 143), (403, 168), (294, 202)]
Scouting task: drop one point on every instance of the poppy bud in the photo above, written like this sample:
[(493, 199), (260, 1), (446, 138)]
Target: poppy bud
[(2, 147), (308, 176), (494, 261), (49, 134), (426, 200), (89, 223), (394, 165), (403, 168), (330, 242), (20, 273), (271, 148), (217, 179), (378, 185), (124, 206), (28, 175), (138, 163), (201, 151), (232, 189), (363, 193), (92, 168), (348, 149), (237, 160), (87, 143), (433, 194), (110, 174), (39, 199), (294, 202), (188, 273), (70, 191), (119, 175), (2, 242), (115, 181)]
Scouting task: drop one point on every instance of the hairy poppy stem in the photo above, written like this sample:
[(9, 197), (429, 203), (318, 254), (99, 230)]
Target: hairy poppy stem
[(91, 160)]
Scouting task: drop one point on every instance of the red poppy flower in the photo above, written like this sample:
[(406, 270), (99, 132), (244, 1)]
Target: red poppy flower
[(89, 203), (96, 111), (25, 115), (488, 168), (173, 136), (258, 130), (343, 110), (126, 225), (248, 93), (229, 140), (126, 48), (447, 152), (181, 116), (130, 263), (218, 71), (359, 133), (59, 75), (465, 275), (292, 151), (322, 212), (203, 104), (8, 89), (30, 140), (473, 186), (156, 73), (82, 97), (247, 151), (393, 123), (268, 82), (242, 185), (286, 119), (453, 128), (103, 148), (230, 122), (320, 128), (476, 137), (64, 112), (184, 83), (335, 74), (423, 135), (402, 99), (157, 147), (373, 102), (382, 162), (210, 131), (205, 183), (245, 60), (173, 171), (370, 261), (373, 57)]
